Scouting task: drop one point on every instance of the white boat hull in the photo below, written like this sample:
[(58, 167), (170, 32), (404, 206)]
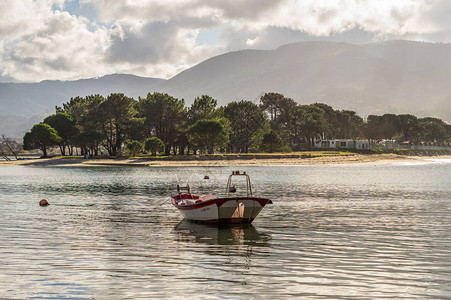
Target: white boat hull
[(222, 210)]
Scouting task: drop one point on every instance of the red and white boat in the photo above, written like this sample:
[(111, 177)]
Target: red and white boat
[(227, 209)]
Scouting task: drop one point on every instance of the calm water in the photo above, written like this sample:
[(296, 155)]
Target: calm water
[(350, 231)]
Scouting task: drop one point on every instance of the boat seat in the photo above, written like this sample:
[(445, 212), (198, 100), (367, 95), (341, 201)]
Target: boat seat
[(207, 197)]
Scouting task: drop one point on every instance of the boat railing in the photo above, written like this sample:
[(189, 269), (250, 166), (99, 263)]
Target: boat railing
[(184, 190), (181, 188), (231, 189)]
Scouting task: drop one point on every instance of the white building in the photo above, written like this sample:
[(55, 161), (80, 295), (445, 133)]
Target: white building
[(342, 144)]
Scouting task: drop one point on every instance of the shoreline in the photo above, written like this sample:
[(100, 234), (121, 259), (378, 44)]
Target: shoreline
[(234, 160)]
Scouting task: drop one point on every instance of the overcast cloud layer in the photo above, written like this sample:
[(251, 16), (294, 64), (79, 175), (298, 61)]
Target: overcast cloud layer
[(72, 39)]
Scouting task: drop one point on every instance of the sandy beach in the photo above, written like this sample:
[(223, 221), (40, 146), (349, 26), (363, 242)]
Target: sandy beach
[(223, 161)]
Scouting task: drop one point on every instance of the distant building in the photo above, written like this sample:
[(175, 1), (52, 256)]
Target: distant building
[(342, 144), (380, 144)]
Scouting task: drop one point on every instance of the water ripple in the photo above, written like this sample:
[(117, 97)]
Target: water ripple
[(336, 232)]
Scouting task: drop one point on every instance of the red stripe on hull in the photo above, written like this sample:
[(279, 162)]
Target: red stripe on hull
[(218, 201), (194, 205)]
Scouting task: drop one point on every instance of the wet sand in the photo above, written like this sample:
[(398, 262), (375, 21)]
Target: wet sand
[(245, 160)]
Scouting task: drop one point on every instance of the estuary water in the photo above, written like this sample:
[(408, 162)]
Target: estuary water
[(334, 232)]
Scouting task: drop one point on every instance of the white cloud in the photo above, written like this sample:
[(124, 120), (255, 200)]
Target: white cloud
[(159, 38), (156, 48), (21, 17), (60, 46), (322, 18), (311, 16)]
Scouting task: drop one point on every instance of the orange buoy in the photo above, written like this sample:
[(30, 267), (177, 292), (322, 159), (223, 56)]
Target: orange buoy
[(43, 202)]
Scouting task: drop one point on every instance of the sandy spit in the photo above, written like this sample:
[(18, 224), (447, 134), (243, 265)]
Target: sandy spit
[(199, 161)]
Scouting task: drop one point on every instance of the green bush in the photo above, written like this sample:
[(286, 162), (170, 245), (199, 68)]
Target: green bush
[(154, 145), (272, 142), (134, 147)]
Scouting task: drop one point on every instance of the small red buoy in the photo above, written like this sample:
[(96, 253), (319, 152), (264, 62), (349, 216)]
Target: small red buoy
[(43, 202), (206, 177)]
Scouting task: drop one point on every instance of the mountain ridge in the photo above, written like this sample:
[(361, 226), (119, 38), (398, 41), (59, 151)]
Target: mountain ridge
[(307, 82), (393, 76)]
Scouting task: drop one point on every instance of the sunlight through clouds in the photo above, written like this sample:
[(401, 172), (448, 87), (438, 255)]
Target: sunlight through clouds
[(72, 39)]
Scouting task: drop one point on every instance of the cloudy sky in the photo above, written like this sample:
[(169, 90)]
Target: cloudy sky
[(73, 39)]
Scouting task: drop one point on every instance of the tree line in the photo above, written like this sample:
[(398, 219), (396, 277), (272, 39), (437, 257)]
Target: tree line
[(162, 124)]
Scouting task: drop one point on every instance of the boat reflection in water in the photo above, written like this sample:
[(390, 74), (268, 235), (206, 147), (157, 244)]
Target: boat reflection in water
[(213, 234)]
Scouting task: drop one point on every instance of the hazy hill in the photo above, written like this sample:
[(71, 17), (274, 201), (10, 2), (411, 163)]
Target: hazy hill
[(395, 76), (25, 104), (26, 98)]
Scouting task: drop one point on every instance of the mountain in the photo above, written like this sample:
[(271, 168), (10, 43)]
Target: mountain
[(393, 76), (31, 98), (25, 104)]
